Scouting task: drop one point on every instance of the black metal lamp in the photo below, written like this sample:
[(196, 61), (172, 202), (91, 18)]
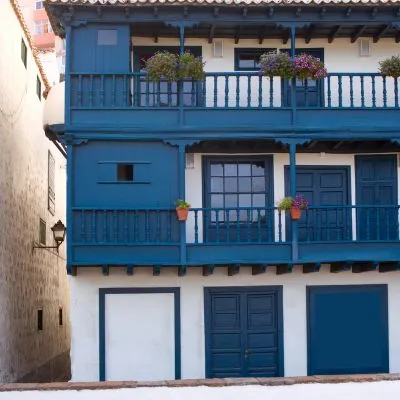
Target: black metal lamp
[(59, 231)]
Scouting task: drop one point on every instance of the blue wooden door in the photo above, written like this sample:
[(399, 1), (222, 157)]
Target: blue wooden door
[(309, 92), (347, 329), (376, 180), (243, 332), (325, 188), (238, 196)]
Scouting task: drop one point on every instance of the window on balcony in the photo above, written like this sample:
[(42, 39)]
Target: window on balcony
[(42, 27), (249, 59), (163, 94), (239, 196), (39, 4)]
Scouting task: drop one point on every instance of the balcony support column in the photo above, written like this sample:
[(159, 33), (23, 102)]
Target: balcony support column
[(293, 81), (181, 39), (293, 192), (180, 83), (181, 191)]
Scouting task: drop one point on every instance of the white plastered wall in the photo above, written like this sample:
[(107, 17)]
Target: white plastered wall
[(85, 318)]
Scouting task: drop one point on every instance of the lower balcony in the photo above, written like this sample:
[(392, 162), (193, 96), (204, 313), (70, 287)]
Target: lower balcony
[(363, 237)]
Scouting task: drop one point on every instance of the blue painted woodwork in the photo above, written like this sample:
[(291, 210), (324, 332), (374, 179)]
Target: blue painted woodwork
[(376, 184), (323, 187), (243, 188), (243, 331), (347, 329), (102, 323), (309, 93)]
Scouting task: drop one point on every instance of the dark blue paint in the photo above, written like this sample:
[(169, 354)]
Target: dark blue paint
[(243, 331), (376, 184), (347, 329), (327, 189), (102, 323)]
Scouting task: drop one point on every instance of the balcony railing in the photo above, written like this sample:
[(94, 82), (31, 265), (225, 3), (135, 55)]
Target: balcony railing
[(232, 90), (238, 225)]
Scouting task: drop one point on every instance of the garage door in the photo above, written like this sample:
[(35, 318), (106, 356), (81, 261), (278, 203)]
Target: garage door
[(137, 327), (244, 332), (347, 329)]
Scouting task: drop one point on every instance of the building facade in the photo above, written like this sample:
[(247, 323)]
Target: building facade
[(34, 299), (239, 289)]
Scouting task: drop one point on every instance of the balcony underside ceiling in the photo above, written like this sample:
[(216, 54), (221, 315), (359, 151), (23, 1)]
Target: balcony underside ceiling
[(262, 32), (314, 146)]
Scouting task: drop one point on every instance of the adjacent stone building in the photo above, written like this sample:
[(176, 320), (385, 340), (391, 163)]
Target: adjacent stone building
[(34, 316)]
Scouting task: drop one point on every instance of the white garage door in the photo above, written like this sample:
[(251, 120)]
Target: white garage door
[(139, 336)]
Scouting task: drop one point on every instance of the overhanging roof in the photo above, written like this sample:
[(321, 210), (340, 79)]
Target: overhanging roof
[(224, 2)]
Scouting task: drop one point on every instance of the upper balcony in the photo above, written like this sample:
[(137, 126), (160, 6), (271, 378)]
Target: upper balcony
[(236, 101)]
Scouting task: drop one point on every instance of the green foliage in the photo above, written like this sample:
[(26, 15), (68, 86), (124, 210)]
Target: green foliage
[(390, 67), (173, 67), (285, 204), (182, 204)]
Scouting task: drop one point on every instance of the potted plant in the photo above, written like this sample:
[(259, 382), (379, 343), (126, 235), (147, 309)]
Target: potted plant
[(307, 66), (294, 205), (390, 67), (173, 67), (277, 64), (182, 209)]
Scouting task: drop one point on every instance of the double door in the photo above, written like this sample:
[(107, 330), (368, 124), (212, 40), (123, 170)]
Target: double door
[(244, 334)]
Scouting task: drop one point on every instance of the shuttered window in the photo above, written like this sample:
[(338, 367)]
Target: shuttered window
[(51, 183)]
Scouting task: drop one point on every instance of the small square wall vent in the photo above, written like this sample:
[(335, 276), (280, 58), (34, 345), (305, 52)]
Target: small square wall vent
[(365, 48)]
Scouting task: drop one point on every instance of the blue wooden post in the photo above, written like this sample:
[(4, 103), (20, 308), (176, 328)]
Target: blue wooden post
[(293, 85), (68, 61), (180, 83), (293, 190), (70, 197), (182, 224)]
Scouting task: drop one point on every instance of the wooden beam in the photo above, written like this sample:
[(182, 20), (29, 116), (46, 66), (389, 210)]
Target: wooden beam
[(348, 11), (323, 12), (311, 144), (337, 145), (259, 269), (129, 269), (364, 266), (244, 12), (397, 38), (284, 269), (311, 267), (389, 266), (261, 35), (298, 11), (286, 37), (233, 269), (340, 266), (105, 270), (208, 270), (270, 11), (72, 270), (156, 270), (374, 12), (211, 33), (182, 270), (381, 32), (360, 30), (309, 33), (237, 34), (334, 33)]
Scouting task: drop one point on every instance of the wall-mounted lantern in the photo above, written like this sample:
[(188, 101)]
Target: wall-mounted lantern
[(58, 230)]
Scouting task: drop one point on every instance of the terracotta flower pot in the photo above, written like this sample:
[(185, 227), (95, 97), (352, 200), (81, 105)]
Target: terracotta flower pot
[(295, 213), (182, 213)]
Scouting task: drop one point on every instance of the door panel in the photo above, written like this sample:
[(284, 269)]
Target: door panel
[(232, 183), (243, 332), (323, 186), (309, 92), (376, 181), (347, 329)]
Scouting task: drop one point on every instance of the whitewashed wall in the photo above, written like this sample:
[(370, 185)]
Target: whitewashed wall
[(29, 279), (85, 318)]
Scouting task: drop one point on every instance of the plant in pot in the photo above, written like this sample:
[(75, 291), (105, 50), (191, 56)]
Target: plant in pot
[(182, 209), (277, 64), (294, 205), (190, 67), (390, 67), (307, 66)]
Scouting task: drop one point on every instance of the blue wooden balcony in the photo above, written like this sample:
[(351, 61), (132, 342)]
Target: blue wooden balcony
[(234, 236), (235, 101)]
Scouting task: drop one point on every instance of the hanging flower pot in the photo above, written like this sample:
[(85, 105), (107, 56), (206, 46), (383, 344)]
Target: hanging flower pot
[(182, 213), (182, 209), (295, 213)]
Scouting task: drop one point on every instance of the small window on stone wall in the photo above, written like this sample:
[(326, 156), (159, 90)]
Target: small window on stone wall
[(42, 232), (40, 319), (60, 317)]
